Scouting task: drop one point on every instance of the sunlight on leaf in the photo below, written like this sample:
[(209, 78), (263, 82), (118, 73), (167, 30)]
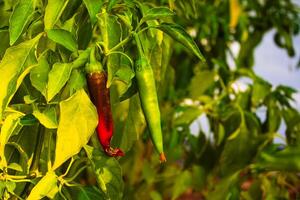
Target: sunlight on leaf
[(78, 120), (46, 187)]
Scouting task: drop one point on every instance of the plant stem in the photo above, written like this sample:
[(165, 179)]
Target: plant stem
[(122, 43), (123, 54), (95, 141), (48, 140), (77, 173), (38, 148)]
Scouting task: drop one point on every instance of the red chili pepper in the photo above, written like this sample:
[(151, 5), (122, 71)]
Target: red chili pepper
[(100, 96)]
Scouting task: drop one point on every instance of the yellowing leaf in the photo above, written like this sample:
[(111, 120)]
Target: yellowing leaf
[(235, 12), (47, 118), (47, 186), (78, 120), (15, 61), (10, 124), (157, 13)]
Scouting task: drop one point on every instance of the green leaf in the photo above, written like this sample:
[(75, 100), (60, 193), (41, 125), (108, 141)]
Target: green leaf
[(8, 128), (108, 173), (53, 11), (81, 59), (78, 120), (260, 90), (46, 187), (125, 74), (111, 4), (273, 116), (4, 42), (13, 68), (4, 16), (284, 160), (225, 188), (221, 134), (10, 186), (28, 120), (71, 10), (84, 33), (71, 24), (15, 166), (29, 99), (57, 78), (126, 18), (93, 7), (292, 120), (200, 83), (272, 189), (179, 34), (157, 13), (35, 27), (135, 124), (76, 82), (148, 173), (39, 74), (238, 151), (286, 90), (19, 18), (132, 90), (155, 195), (89, 193), (47, 118), (187, 115), (111, 36), (199, 176), (24, 160), (2, 188), (64, 38), (182, 183)]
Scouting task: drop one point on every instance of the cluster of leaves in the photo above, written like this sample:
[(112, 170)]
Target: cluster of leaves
[(47, 145)]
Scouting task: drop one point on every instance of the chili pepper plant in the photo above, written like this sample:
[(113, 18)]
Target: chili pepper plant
[(97, 99)]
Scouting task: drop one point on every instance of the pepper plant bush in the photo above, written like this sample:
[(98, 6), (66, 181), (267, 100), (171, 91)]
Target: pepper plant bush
[(48, 145)]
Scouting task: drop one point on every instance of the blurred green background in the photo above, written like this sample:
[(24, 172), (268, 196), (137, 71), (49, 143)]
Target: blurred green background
[(231, 125)]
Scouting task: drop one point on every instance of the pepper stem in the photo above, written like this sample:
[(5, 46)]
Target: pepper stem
[(93, 65), (139, 45)]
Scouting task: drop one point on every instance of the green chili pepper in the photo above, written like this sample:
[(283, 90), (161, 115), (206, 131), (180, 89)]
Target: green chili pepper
[(149, 101)]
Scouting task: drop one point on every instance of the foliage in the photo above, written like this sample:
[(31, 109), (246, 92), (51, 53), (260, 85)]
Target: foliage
[(48, 148)]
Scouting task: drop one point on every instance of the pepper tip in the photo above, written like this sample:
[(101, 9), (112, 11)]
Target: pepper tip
[(114, 152), (162, 157)]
